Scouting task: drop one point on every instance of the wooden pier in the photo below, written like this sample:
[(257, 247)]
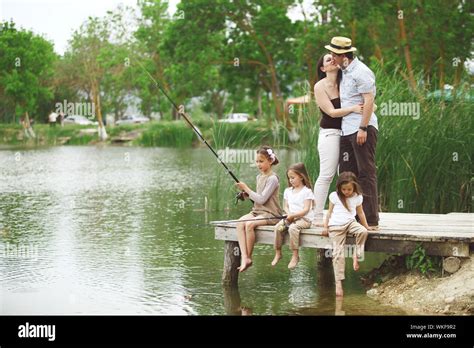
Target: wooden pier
[(448, 235)]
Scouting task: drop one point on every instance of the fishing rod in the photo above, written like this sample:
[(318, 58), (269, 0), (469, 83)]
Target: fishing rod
[(241, 195), (234, 221), (224, 222)]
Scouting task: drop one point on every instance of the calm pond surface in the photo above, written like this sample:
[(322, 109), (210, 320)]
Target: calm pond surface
[(115, 230)]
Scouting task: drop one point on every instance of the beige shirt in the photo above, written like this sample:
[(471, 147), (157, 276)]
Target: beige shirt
[(266, 198)]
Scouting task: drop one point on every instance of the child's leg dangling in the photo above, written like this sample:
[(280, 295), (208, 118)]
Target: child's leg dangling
[(294, 231), (278, 230), (242, 238)]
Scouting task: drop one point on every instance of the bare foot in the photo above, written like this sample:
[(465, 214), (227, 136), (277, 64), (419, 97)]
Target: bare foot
[(246, 311), (293, 262), (244, 265), (355, 263), (339, 308), (339, 291), (276, 259)]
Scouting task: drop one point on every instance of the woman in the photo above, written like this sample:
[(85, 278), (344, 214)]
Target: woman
[(326, 92)]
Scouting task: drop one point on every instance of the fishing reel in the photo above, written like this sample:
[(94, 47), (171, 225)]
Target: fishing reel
[(240, 196)]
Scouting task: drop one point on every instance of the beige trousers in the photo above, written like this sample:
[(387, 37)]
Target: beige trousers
[(338, 236), (294, 230)]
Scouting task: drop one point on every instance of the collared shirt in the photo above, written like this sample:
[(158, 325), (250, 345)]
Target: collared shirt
[(357, 78)]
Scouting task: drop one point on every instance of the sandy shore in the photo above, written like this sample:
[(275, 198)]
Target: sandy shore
[(449, 295)]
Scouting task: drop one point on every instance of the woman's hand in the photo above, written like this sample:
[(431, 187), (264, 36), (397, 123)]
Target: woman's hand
[(359, 108), (242, 186)]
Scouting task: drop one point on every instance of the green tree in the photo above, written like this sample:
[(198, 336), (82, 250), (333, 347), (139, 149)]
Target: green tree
[(26, 69), (194, 42), (116, 58), (86, 47), (150, 59), (239, 48), (99, 56), (262, 36), (428, 37)]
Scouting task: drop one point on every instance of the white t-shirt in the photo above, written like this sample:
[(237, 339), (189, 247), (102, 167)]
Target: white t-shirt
[(296, 200), (52, 117), (340, 215)]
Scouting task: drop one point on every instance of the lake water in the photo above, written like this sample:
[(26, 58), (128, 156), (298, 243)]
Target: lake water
[(119, 230)]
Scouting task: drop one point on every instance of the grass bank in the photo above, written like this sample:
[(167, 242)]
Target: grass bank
[(163, 134)]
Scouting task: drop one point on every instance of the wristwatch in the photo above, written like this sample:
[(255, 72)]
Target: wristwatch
[(363, 128)]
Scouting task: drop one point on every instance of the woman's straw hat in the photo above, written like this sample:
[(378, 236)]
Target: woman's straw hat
[(340, 45)]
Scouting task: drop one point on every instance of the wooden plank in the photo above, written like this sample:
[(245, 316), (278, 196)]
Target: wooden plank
[(423, 217), (449, 226), (428, 225), (265, 235), (392, 234), (440, 234), (377, 235), (408, 247)]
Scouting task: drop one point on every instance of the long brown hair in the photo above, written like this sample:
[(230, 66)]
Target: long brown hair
[(299, 169), (347, 178), (322, 74), (264, 151)]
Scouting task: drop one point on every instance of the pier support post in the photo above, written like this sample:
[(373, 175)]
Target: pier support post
[(325, 273), (230, 275), (232, 302), (451, 264)]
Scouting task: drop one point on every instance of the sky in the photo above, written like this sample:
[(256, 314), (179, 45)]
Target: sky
[(56, 20)]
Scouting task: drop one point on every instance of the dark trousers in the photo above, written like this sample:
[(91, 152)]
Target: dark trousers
[(360, 159)]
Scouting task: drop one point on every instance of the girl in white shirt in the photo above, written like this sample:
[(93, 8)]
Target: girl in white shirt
[(298, 202), (340, 220)]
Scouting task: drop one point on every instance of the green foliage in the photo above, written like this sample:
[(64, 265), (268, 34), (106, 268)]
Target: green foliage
[(26, 65), (235, 56), (409, 149), (150, 59), (375, 29), (421, 262), (245, 134), (169, 133)]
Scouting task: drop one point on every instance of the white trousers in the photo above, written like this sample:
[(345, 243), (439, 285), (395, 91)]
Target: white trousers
[(328, 148)]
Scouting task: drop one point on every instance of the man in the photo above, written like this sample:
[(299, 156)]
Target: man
[(359, 132)]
